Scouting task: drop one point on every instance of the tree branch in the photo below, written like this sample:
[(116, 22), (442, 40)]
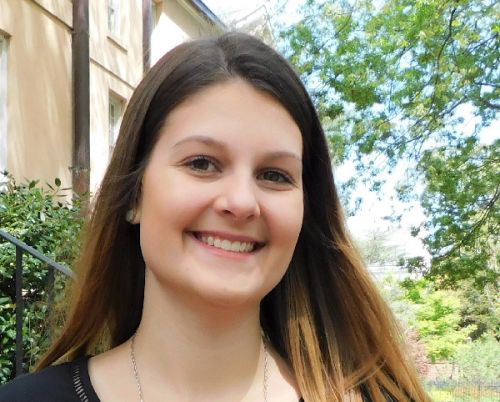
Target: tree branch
[(489, 104)]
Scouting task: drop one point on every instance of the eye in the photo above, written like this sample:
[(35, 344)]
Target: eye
[(202, 164), (276, 176)]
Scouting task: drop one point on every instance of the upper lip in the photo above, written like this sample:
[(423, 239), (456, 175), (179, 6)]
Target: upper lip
[(228, 236)]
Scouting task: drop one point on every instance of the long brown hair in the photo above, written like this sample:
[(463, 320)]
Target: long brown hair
[(325, 318)]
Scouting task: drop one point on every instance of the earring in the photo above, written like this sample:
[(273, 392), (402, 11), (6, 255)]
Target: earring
[(130, 215)]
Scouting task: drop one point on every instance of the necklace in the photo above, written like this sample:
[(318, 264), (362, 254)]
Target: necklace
[(138, 379)]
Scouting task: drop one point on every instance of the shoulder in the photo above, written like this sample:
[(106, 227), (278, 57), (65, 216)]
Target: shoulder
[(52, 384)]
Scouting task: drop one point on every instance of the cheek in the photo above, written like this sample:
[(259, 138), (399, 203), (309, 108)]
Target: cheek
[(167, 199), (286, 222)]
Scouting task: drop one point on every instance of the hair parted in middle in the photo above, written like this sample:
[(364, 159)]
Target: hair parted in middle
[(325, 318)]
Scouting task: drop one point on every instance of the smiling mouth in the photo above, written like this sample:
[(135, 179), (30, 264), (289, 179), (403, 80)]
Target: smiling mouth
[(228, 245)]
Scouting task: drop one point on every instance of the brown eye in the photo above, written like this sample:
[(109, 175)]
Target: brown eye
[(276, 177), (202, 164)]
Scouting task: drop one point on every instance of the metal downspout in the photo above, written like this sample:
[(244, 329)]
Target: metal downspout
[(81, 97)]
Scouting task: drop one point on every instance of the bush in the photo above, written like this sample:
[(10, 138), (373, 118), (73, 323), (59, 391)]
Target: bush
[(479, 361), (46, 220)]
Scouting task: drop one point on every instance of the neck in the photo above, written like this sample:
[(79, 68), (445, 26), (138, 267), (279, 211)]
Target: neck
[(195, 349)]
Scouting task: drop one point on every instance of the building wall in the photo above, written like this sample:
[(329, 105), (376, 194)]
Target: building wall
[(39, 116), (116, 66), (39, 90)]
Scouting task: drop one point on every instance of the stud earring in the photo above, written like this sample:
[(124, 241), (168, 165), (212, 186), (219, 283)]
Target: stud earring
[(130, 215)]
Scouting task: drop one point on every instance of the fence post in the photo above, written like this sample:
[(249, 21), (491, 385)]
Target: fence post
[(19, 311)]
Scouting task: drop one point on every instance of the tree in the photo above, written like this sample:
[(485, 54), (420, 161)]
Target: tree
[(481, 308), (395, 80), (377, 248), (437, 321), (478, 361), (437, 318)]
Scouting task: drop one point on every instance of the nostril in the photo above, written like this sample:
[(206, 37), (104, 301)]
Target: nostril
[(237, 206)]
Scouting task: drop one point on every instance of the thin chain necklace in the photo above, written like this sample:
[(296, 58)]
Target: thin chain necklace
[(138, 380)]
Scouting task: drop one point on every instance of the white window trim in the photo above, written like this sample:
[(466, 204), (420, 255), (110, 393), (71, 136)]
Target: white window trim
[(114, 122), (3, 109), (114, 21)]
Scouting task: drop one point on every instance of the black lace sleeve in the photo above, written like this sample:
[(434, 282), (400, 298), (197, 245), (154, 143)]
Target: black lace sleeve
[(53, 384)]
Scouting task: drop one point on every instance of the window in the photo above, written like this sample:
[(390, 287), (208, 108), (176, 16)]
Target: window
[(3, 109), (156, 10), (114, 17), (115, 117)]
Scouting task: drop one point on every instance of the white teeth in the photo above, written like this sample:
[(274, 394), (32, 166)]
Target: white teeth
[(236, 246)]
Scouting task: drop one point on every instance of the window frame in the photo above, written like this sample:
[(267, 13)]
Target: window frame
[(4, 45), (114, 18), (115, 114)]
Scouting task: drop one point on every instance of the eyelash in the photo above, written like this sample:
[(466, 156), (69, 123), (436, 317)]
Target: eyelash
[(284, 178), (200, 158)]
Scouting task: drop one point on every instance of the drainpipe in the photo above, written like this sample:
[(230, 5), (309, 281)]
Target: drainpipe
[(147, 27), (81, 97)]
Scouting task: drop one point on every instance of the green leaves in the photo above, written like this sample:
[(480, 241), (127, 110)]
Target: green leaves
[(462, 195), (395, 81), (479, 360), (46, 219)]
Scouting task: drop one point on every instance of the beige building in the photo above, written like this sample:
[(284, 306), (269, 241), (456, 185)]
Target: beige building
[(67, 69)]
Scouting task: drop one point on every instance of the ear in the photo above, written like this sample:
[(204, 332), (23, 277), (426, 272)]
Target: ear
[(133, 215), (138, 206), (136, 219)]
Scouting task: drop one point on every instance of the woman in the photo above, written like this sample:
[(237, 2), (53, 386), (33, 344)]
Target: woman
[(217, 265)]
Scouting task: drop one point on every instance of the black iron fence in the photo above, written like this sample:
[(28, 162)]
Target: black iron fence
[(463, 391), (21, 249)]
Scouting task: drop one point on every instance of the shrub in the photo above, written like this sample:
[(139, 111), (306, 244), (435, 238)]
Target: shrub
[(479, 361), (44, 218)]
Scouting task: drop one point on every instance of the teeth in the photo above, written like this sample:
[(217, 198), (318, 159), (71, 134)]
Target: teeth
[(224, 244)]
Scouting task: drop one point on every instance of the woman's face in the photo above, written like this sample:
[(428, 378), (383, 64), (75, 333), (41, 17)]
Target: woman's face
[(221, 202)]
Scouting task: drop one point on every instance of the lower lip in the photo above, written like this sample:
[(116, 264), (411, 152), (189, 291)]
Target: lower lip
[(224, 253)]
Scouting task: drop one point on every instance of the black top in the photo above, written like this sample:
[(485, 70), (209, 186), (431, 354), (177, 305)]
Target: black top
[(68, 382)]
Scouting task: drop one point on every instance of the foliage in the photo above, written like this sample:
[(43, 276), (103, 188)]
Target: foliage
[(396, 80), (481, 308), (479, 361), (405, 311), (457, 326), (437, 319), (399, 300), (462, 392), (45, 220), (376, 249), (463, 188), (437, 322)]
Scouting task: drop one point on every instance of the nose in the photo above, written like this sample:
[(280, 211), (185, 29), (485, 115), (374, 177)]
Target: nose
[(237, 198)]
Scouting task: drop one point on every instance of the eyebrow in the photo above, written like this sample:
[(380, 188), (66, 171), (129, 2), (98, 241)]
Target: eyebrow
[(221, 145)]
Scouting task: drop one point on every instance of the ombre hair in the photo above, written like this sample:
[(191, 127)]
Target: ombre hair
[(325, 318)]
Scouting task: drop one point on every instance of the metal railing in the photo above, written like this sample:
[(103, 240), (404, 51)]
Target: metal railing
[(463, 391), (22, 248)]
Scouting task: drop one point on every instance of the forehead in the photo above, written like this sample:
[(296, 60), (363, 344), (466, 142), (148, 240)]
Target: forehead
[(234, 111)]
